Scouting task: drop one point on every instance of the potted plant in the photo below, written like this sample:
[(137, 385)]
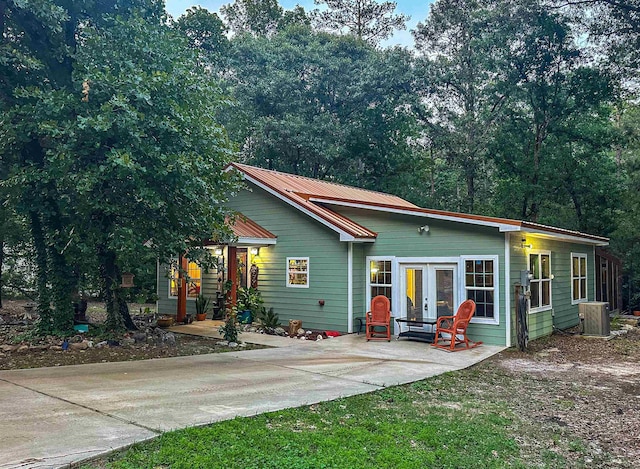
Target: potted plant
[(229, 329), (202, 307), (249, 304)]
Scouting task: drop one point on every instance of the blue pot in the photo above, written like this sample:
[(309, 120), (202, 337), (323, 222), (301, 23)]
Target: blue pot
[(244, 317)]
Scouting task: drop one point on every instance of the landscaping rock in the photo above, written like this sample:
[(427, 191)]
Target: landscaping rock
[(233, 344), (128, 341), (167, 338), (139, 337), (56, 348), (280, 331), (78, 346), (319, 337), (22, 348), (301, 332), (9, 348), (101, 344), (38, 348), (242, 345), (223, 343)]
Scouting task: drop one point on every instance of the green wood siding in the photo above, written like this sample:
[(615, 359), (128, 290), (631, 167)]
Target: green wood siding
[(299, 236), (360, 306), (168, 305), (398, 236), (563, 314)]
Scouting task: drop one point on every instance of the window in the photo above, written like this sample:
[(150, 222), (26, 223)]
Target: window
[(193, 277), (578, 278), (380, 278), (479, 282), (540, 271), (298, 272)]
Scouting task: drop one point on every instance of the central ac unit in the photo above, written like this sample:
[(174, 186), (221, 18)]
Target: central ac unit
[(595, 316)]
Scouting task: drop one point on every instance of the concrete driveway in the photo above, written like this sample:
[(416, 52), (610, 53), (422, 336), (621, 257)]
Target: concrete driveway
[(50, 417)]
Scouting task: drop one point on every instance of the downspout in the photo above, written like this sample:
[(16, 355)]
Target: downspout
[(507, 287), (350, 287)]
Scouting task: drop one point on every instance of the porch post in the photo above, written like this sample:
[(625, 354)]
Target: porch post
[(233, 274), (182, 289)]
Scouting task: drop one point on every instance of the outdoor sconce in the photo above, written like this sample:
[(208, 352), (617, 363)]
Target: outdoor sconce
[(423, 229), (218, 251), (525, 245), (255, 251), (321, 302)]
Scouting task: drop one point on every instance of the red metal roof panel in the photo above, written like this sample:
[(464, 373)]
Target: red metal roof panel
[(245, 227)]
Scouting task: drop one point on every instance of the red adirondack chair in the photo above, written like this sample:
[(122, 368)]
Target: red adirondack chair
[(379, 317), (456, 327)]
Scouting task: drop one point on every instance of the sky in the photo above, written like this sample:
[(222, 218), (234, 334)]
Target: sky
[(416, 9)]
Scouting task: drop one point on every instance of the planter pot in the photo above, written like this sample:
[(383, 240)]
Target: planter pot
[(244, 317), (188, 319), (201, 317), (636, 313), (165, 321)]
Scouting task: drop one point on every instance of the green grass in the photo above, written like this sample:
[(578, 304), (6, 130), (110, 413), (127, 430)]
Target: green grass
[(402, 427)]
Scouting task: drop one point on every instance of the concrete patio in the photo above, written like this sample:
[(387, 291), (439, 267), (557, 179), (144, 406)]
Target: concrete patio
[(56, 416)]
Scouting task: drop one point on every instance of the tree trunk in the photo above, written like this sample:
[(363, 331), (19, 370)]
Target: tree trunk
[(1, 262), (62, 286), (45, 324), (118, 317)]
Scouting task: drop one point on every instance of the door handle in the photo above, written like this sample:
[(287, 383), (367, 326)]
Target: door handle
[(426, 306)]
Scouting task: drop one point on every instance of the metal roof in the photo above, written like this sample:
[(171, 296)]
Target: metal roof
[(245, 228), (312, 196)]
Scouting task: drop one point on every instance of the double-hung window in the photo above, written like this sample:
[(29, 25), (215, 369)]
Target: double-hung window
[(380, 278), (479, 283), (540, 271), (578, 278), (298, 272)]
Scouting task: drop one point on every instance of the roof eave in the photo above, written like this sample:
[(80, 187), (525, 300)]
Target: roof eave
[(344, 235)]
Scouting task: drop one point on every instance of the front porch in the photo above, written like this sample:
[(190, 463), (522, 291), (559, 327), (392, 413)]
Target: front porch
[(237, 264)]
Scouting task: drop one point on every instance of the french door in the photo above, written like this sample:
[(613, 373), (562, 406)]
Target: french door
[(428, 291)]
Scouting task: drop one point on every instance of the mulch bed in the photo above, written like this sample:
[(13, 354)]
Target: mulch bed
[(21, 348)]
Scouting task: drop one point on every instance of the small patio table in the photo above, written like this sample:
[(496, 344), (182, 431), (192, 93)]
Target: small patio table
[(412, 334)]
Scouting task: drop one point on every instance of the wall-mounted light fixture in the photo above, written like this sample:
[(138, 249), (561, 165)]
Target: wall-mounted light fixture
[(254, 251), (524, 244), (218, 251), (423, 229)]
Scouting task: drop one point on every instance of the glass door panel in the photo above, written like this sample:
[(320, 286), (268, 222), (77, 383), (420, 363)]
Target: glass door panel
[(414, 301), (442, 290)]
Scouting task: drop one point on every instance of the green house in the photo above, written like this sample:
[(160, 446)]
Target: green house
[(319, 252)]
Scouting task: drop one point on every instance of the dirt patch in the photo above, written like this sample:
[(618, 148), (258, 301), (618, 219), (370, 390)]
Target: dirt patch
[(577, 396), (21, 348)]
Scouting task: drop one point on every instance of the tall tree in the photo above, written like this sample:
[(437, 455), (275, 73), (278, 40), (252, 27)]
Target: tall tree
[(205, 31), (323, 106), (462, 103), (261, 17), (549, 86), (368, 20), (118, 151)]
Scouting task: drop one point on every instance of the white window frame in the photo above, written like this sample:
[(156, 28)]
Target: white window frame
[(297, 258), (580, 255), (539, 253), (174, 261), (462, 281), (394, 279)]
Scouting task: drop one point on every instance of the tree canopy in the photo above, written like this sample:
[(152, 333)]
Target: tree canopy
[(117, 120)]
